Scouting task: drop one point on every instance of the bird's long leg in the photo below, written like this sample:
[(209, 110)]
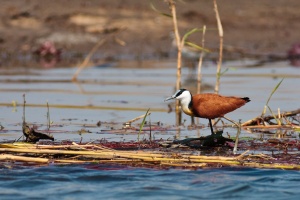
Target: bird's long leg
[(211, 128)]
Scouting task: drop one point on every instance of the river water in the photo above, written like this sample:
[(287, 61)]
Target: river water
[(116, 182)]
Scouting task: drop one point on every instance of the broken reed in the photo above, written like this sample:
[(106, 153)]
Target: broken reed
[(87, 59), (98, 154)]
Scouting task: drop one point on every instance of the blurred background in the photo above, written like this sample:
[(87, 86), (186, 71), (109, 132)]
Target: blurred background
[(69, 29)]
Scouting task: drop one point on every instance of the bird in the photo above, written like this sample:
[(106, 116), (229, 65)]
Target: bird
[(207, 105), (33, 136)]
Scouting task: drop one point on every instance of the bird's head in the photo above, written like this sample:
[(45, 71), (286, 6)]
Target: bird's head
[(180, 95)]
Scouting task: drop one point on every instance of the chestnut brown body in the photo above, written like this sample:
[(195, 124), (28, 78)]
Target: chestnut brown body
[(211, 106)]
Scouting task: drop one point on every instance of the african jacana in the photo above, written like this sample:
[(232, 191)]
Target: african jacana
[(209, 106)]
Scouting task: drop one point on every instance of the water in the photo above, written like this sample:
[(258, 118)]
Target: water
[(117, 94), (121, 92), (116, 182)]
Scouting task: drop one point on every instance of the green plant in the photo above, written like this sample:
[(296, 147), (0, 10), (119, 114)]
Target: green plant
[(142, 124), (267, 106), (48, 117)]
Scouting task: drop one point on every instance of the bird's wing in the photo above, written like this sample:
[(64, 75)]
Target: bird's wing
[(212, 105)]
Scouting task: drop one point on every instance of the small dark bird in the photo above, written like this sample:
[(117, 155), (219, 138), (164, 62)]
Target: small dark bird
[(32, 136), (209, 106)]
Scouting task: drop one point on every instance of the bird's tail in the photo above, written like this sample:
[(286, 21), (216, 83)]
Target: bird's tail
[(246, 99)]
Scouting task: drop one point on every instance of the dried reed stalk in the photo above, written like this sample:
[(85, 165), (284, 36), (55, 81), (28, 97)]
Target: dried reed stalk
[(145, 157), (191, 165), (72, 147), (137, 157), (270, 117), (199, 77), (23, 158), (137, 118), (179, 44), (24, 103), (221, 34), (272, 126), (87, 59), (67, 106), (272, 166), (69, 161)]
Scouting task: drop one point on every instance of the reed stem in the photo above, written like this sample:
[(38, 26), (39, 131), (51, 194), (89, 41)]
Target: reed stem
[(48, 117), (221, 34), (87, 59), (199, 78), (24, 103), (179, 44)]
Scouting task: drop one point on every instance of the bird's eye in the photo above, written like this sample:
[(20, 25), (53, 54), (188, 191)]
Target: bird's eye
[(179, 93)]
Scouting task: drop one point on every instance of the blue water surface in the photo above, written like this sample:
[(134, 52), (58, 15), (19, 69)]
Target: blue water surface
[(117, 182)]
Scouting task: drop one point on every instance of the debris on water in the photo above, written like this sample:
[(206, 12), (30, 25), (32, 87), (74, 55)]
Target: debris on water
[(132, 145), (82, 131), (143, 154), (69, 119), (290, 118), (117, 101)]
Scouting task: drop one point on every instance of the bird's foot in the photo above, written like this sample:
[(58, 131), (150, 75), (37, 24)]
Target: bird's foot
[(212, 140), (215, 139)]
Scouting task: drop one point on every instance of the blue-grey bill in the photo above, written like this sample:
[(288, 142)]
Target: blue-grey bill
[(169, 98)]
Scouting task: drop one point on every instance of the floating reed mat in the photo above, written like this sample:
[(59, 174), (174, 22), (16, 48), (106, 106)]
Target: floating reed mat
[(80, 154)]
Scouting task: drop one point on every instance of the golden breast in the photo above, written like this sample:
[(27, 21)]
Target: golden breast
[(186, 110)]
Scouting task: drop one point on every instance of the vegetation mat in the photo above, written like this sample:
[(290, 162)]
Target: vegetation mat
[(151, 155)]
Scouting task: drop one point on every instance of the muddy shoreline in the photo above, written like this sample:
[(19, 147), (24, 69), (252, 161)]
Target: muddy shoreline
[(134, 31)]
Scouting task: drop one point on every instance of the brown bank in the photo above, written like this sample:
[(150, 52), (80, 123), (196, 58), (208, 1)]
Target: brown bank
[(138, 32)]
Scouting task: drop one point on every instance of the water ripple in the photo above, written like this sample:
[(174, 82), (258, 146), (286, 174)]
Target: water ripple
[(115, 182)]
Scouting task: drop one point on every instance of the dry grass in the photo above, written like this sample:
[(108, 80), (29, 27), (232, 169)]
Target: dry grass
[(69, 154)]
